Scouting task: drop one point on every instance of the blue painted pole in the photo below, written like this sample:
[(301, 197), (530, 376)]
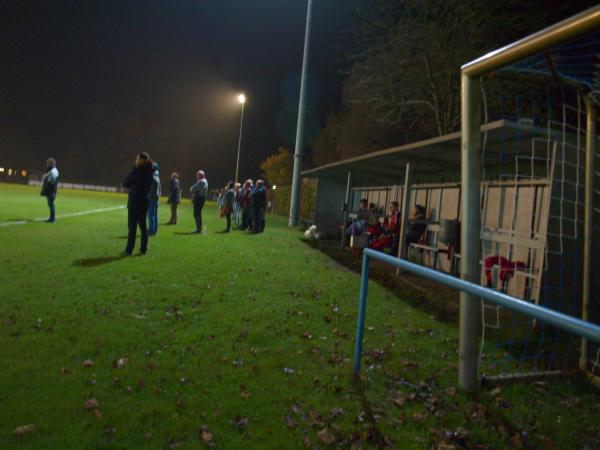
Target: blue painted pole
[(565, 322), (362, 308)]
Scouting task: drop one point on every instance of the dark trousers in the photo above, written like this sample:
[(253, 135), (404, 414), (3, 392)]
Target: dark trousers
[(50, 199), (137, 217), (246, 218), (198, 205), (228, 218), (258, 219), (173, 219)]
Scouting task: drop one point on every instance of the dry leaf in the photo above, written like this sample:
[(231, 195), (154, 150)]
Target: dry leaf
[(399, 402), (91, 403), (326, 437), (98, 414), (88, 363), (121, 362), (240, 422), (24, 429), (290, 422), (206, 436)]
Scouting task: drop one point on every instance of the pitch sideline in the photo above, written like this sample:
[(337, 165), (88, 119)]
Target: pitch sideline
[(81, 213)]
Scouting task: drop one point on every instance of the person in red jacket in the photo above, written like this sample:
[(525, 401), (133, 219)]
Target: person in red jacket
[(388, 238)]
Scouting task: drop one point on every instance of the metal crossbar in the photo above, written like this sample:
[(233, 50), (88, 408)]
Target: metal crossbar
[(559, 320)]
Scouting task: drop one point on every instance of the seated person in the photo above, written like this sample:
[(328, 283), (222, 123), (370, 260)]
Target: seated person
[(417, 224), (358, 226), (388, 237)]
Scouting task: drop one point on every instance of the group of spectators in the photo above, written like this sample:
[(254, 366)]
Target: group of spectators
[(244, 206), (382, 231)]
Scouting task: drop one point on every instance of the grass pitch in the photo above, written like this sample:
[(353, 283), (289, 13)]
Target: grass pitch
[(231, 341)]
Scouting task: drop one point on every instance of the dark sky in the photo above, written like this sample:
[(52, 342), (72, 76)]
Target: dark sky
[(92, 82)]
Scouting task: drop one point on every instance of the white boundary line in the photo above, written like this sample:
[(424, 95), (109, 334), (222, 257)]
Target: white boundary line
[(43, 219)]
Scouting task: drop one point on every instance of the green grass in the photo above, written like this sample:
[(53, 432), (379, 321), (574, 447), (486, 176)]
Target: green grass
[(210, 324)]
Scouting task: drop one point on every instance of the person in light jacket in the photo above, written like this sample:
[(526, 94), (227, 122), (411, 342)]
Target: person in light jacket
[(50, 187), (174, 197), (153, 196), (199, 192)]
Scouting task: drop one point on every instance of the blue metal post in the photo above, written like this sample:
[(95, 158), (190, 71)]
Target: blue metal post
[(362, 307)]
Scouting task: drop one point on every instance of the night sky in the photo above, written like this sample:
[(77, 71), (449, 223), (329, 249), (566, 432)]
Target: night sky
[(94, 82)]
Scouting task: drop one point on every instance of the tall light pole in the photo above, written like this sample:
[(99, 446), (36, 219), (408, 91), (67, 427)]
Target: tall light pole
[(242, 100), (295, 196)]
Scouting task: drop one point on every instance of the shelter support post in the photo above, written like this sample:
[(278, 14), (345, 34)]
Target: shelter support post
[(405, 214), (346, 209), (590, 148), (470, 231)]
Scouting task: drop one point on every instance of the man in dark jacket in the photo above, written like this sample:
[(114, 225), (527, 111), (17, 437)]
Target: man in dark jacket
[(50, 187), (258, 200), (138, 182), (174, 197)]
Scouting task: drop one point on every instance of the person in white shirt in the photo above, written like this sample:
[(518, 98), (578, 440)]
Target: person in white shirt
[(50, 187)]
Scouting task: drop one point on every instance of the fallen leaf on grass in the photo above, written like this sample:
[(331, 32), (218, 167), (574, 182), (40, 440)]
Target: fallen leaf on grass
[(64, 371), (451, 391), (88, 363), (206, 436), (90, 403), (98, 414), (24, 429), (240, 422), (399, 402), (336, 412), (326, 437), (290, 422), (121, 362)]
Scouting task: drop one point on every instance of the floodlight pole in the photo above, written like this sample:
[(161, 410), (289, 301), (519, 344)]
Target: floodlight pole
[(590, 149), (295, 195), (470, 230), (237, 163)]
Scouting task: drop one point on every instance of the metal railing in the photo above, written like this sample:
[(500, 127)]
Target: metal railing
[(568, 323)]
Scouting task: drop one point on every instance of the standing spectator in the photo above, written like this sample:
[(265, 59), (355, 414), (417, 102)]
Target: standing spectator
[(258, 200), (237, 209), (50, 187), (153, 196), (228, 205), (174, 197), (138, 182), (246, 192), (199, 192)]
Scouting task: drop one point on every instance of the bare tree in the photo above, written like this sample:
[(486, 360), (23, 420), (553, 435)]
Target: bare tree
[(409, 53)]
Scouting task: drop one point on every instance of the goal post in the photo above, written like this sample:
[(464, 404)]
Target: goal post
[(471, 177)]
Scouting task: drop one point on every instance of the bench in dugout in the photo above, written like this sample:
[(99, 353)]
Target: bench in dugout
[(440, 237)]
